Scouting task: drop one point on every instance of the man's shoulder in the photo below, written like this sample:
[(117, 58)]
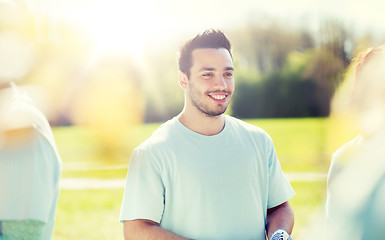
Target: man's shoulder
[(160, 138), (241, 125)]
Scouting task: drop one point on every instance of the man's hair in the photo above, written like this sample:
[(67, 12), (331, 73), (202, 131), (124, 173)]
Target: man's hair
[(208, 39)]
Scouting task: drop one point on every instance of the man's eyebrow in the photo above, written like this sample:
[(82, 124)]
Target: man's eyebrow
[(206, 69), (213, 69)]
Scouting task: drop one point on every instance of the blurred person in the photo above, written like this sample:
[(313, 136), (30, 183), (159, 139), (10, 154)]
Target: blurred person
[(356, 179), (204, 174), (30, 165)]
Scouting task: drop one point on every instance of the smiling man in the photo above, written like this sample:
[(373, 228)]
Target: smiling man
[(204, 174)]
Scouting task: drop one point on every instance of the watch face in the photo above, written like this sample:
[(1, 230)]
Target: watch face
[(280, 234)]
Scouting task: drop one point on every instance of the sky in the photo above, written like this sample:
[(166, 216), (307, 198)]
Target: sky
[(195, 12), (114, 23), (190, 17)]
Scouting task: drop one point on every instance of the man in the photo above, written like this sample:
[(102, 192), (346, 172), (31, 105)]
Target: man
[(203, 174), (30, 165)]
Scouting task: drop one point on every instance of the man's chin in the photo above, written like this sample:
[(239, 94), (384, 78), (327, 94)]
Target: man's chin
[(215, 113)]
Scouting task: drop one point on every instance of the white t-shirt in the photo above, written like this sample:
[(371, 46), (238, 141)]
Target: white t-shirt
[(206, 187), (29, 174), (340, 160), (355, 207)]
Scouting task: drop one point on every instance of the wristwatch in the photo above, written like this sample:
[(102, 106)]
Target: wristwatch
[(280, 234)]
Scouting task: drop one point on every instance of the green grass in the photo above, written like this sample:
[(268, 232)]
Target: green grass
[(89, 214), (103, 174), (308, 198), (301, 145)]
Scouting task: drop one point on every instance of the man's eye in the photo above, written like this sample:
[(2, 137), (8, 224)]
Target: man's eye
[(228, 74), (207, 74)]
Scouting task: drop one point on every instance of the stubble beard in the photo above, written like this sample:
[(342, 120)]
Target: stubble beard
[(203, 108)]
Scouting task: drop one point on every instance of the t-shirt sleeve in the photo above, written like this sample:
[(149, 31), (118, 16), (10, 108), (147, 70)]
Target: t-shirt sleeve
[(280, 190), (144, 190)]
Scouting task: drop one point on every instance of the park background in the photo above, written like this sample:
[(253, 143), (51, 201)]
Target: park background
[(105, 75)]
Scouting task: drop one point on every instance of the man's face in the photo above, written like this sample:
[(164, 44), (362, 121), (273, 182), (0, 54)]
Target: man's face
[(211, 82)]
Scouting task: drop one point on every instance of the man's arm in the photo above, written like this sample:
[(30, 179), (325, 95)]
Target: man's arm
[(143, 229), (279, 217)]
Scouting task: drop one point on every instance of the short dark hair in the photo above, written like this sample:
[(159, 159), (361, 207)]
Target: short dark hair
[(208, 39)]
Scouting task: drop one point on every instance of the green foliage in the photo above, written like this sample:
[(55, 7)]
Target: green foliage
[(279, 94), (266, 43), (324, 70), (295, 64), (303, 87)]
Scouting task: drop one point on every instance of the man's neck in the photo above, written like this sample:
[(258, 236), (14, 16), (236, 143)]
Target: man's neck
[(201, 123)]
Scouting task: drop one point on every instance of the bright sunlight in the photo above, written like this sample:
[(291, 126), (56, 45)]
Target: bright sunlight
[(119, 26)]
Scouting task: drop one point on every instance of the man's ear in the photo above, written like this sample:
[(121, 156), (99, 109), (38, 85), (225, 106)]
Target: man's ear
[(182, 80)]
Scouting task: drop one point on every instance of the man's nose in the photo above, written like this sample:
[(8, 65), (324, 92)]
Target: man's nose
[(221, 82)]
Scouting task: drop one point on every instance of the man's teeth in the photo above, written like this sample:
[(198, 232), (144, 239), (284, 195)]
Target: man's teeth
[(218, 97)]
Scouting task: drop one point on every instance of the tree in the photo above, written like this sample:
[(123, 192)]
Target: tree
[(324, 72)]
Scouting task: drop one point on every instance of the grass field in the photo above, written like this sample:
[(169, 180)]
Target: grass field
[(301, 144)]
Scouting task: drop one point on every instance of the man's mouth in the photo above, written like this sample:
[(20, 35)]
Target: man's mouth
[(218, 97)]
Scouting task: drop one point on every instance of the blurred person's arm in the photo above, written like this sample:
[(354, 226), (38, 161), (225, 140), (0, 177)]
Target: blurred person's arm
[(16, 129), (146, 230), (15, 137), (279, 217)]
